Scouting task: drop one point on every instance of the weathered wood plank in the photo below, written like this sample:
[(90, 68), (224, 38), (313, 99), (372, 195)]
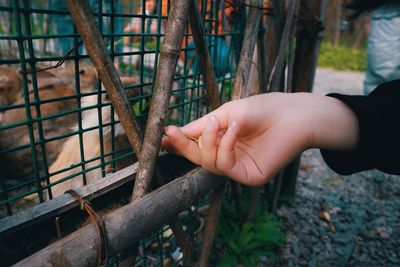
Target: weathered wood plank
[(128, 224), (206, 66), (94, 43), (246, 55), (65, 202), (169, 55)]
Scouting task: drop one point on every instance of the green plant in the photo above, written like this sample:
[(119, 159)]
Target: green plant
[(342, 57), (139, 107), (246, 243)]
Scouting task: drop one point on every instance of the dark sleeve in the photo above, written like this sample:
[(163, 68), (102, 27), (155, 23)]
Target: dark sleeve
[(379, 132)]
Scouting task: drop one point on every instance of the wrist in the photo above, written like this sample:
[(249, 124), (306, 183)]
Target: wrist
[(334, 125)]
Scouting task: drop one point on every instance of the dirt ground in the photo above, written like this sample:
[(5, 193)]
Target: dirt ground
[(364, 207)]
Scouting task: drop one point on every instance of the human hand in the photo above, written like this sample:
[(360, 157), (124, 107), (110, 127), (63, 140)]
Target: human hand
[(251, 139)]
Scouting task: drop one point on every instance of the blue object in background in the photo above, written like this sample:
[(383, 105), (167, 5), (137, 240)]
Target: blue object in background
[(219, 53), (383, 59), (63, 24)]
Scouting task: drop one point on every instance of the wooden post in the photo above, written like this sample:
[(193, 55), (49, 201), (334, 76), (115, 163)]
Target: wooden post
[(239, 91), (92, 38), (263, 66), (206, 66), (170, 50), (307, 46), (274, 34), (338, 21), (246, 54), (128, 224), (308, 39), (96, 48), (277, 71)]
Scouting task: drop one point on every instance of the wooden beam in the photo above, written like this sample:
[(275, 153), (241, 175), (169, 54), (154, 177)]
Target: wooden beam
[(66, 202), (93, 40), (277, 71), (206, 66), (94, 43), (308, 40), (128, 224), (246, 55), (169, 55), (239, 91)]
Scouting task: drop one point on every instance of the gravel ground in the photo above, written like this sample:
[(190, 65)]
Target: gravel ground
[(333, 81), (364, 207)]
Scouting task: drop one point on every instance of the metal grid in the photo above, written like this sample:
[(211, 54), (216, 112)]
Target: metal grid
[(54, 105)]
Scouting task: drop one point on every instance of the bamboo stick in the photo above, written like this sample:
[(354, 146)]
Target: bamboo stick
[(208, 73), (239, 91), (94, 43), (206, 66), (263, 84), (96, 48), (169, 55), (262, 58), (275, 78), (128, 224), (246, 55), (308, 39), (211, 225)]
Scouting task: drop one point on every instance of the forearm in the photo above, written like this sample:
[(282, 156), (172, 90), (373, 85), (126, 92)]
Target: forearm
[(333, 124), (322, 121)]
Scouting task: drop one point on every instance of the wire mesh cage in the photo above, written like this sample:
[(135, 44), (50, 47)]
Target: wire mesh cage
[(58, 129)]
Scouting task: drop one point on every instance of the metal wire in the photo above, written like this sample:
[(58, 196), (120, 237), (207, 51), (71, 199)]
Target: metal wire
[(37, 38)]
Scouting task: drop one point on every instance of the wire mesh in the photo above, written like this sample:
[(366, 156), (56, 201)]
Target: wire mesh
[(58, 129)]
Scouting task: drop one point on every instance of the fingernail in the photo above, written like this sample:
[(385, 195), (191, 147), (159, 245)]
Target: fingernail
[(232, 128)]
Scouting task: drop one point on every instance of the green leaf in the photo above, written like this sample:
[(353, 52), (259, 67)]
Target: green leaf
[(136, 107), (232, 245), (247, 226), (254, 244), (245, 238), (248, 261), (228, 260)]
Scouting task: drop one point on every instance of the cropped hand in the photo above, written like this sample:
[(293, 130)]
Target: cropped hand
[(251, 139)]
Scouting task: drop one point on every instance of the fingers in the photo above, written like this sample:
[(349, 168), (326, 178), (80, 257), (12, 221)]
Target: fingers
[(167, 145), (178, 143), (226, 153), (209, 148), (195, 128)]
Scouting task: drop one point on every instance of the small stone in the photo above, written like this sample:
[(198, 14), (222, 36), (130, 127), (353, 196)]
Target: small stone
[(264, 259), (317, 249), (312, 262), (177, 255), (295, 248), (382, 233)]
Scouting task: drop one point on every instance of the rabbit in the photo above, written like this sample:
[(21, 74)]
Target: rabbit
[(19, 164), (51, 85), (10, 86), (70, 153), (65, 75)]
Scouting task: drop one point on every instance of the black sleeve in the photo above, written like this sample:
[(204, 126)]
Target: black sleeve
[(379, 132)]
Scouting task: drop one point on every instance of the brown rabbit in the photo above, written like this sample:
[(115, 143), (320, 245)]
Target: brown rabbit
[(51, 86), (19, 164), (70, 154), (10, 86), (65, 75)]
